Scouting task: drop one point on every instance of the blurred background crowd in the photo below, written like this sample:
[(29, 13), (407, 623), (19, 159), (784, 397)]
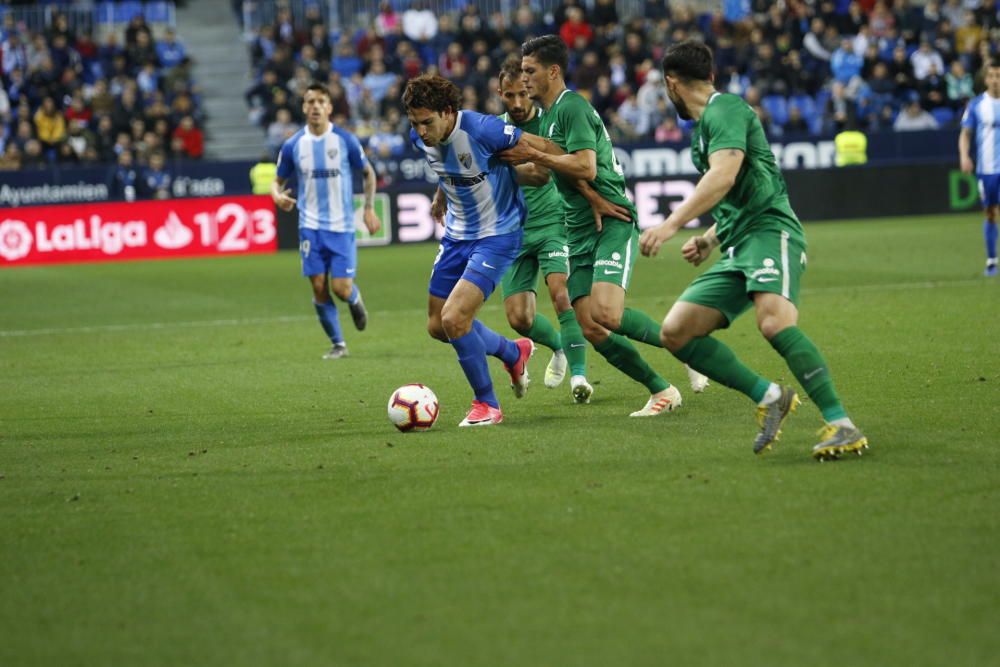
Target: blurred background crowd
[(128, 95)]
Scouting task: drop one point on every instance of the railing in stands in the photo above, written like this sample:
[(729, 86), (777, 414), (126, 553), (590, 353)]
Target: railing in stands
[(92, 16), (354, 14)]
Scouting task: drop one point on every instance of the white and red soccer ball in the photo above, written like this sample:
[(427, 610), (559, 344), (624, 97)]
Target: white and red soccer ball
[(413, 407)]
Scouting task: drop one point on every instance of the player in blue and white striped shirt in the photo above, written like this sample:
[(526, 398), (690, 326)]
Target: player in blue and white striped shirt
[(323, 156), (982, 118), (483, 226)]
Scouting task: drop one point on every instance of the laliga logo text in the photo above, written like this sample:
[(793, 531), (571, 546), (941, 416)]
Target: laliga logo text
[(15, 240), (109, 237)]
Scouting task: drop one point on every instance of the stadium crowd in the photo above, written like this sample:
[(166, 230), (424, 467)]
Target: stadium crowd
[(128, 98), (806, 67)]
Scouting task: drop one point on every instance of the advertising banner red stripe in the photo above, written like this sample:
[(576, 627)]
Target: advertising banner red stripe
[(201, 227)]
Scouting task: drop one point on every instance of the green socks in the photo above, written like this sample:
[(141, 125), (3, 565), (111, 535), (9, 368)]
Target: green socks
[(809, 367), (543, 333), (639, 326), (621, 354), (713, 358), (574, 344)]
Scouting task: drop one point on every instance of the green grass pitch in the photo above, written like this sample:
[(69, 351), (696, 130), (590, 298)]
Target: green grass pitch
[(183, 481)]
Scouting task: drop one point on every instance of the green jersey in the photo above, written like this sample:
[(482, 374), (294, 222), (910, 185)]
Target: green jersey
[(759, 199), (545, 204), (573, 125)]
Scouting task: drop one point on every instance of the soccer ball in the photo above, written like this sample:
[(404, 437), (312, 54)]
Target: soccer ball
[(413, 407)]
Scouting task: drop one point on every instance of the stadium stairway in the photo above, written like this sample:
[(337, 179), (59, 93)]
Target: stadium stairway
[(222, 65)]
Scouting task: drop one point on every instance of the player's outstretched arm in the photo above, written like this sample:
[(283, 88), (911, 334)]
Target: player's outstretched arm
[(372, 222), (531, 148), (281, 195), (723, 167)]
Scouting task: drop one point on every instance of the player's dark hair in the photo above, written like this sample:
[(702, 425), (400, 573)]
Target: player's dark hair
[(548, 50), (689, 60), (511, 69), (432, 92), (318, 88)]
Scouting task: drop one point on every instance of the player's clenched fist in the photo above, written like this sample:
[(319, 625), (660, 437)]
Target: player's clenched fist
[(696, 250)]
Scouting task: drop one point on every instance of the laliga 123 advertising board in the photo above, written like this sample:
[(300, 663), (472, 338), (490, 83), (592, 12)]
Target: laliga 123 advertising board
[(137, 230)]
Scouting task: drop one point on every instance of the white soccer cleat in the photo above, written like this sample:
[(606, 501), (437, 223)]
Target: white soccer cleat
[(697, 380), (555, 372), (582, 391), (665, 401), (338, 351)]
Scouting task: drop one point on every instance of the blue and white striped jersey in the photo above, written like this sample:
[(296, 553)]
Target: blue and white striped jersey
[(983, 117), (323, 167), (483, 196)]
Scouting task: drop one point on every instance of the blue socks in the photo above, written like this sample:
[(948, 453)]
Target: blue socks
[(355, 295), (496, 345), (472, 357), (990, 235), (327, 313)]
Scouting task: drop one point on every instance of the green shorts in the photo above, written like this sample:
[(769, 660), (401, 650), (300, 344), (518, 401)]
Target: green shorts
[(543, 249), (607, 257), (766, 261)]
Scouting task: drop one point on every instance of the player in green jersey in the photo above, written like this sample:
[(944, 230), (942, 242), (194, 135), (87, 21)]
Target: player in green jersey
[(763, 257), (601, 222), (543, 247)]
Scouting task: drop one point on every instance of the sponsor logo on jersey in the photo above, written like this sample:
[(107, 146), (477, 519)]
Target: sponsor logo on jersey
[(609, 262), (767, 270)]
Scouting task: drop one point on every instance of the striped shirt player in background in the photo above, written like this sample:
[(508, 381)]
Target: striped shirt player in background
[(483, 229), (323, 156), (982, 118)]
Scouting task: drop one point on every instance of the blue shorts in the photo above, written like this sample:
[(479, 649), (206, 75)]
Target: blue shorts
[(482, 262), (326, 252), (989, 189)]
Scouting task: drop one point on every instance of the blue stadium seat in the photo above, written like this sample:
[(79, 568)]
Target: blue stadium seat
[(777, 107), (104, 12), (157, 12), (944, 115), (124, 11), (805, 103)]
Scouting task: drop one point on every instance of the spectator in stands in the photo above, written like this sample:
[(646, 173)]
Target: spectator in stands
[(651, 98), (420, 24), (104, 138), (387, 23), (11, 158), (141, 52), (387, 141), (50, 126), (124, 178), (284, 26), (796, 123), (923, 59), (846, 65), (914, 117), (192, 138), (156, 180), (34, 154), (576, 32), (378, 80), (668, 131), (169, 50), (840, 110), (959, 85), (279, 130)]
